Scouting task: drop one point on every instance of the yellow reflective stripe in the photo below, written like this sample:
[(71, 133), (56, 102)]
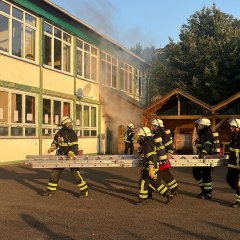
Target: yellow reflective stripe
[(207, 188), (83, 188), (168, 143), (172, 182), (142, 185), (151, 186), (164, 157), (78, 173), (157, 140), (52, 184), (168, 131), (52, 188), (81, 184), (208, 184), (170, 151), (160, 148), (216, 141), (143, 196), (163, 191), (150, 154), (232, 166), (173, 186), (198, 145), (68, 144), (207, 143), (143, 191), (204, 151), (160, 187), (215, 134)]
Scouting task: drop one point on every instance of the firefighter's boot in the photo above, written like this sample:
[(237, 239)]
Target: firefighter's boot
[(48, 193), (169, 197), (83, 194), (141, 202), (236, 205)]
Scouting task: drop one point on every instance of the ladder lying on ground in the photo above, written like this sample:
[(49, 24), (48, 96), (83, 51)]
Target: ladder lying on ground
[(85, 161)]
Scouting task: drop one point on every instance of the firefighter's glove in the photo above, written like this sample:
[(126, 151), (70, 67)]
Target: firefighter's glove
[(71, 155), (151, 173), (52, 148)]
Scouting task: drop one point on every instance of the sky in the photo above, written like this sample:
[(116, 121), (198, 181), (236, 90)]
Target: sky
[(148, 22)]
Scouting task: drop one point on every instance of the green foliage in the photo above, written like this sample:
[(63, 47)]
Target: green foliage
[(206, 60)]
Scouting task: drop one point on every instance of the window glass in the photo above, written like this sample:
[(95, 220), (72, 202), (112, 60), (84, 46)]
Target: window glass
[(78, 115), (66, 109), (30, 43), (114, 76), (16, 108), (94, 51), (86, 116), (57, 54), (94, 68), (17, 41), (79, 44), (30, 109), (79, 63), (67, 37), (48, 51), (17, 13), (86, 47), (66, 58), (3, 131), (46, 111), (47, 28), (46, 132), (16, 131), (57, 33), (30, 20), (56, 112), (87, 65), (3, 107), (4, 33), (93, 117), (30, 132), (4, 7)]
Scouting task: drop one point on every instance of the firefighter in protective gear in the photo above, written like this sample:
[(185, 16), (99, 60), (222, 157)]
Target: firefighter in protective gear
[(233, 174), (205, 146), (150, 176), (164, 146), (66, 143), (129, 139)]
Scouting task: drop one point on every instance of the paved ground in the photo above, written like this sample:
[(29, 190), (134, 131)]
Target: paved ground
[(110, 212)]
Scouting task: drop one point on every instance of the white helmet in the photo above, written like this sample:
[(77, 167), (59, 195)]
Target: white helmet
[(145, 132), (65, 120), (234, 122), (130, 125), (157, 122), (203, 121)]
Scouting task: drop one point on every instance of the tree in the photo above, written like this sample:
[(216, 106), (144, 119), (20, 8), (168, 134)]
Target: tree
[(206, 60)]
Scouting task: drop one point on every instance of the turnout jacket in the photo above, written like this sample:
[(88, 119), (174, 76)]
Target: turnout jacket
[(161, 151), (167, 140), (66, 140), (129, 136), (234, 155), (150, 158), (205, 143)]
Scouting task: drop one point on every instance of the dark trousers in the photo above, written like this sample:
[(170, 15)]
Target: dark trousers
[(169, 180), (145, 183), (128, 146), (55, 176), (233, 179), (204, 178)]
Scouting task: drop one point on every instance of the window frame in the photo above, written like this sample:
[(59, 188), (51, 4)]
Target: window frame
[(53, 127), (23, 124), (80, 129), (126, 77), (63, 42), (25, 25), (91, 55)]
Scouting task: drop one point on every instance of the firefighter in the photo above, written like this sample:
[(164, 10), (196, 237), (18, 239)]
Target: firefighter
[(150, 176), (65, 142), (164, 145), (205, 146), (233, 174), (128, 139)]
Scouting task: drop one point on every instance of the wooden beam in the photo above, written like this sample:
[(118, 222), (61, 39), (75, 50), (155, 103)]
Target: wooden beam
[(220, 123), (179, 106), (174, 116)]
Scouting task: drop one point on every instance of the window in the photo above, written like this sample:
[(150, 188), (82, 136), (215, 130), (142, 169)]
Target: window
[(126, 77), (53, 110), (138, 83), (109, 70), (57, 48), (17, 114), (86, 120), (86, 60), (17, 31)]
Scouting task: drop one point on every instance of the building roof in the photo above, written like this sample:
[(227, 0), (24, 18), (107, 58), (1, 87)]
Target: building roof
[(160, 102), (94, 30)]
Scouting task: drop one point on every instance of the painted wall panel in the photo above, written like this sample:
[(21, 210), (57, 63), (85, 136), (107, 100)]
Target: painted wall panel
[(90, 89), (17, 71), (17, 149), (58, 82)]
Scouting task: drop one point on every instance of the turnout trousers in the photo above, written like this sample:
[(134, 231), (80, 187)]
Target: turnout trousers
[(55, 176), (204, 178), (129, 146), (233, 179), (169, 180)]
